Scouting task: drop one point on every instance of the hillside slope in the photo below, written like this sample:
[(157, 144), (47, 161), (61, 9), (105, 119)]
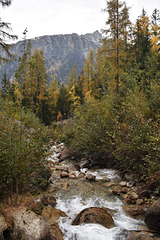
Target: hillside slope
[(61, 53)]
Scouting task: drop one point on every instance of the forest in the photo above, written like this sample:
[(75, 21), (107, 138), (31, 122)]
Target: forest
[(110, 112)]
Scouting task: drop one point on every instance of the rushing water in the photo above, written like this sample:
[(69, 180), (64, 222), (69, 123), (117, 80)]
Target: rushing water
[(72, 204), (83, 194)]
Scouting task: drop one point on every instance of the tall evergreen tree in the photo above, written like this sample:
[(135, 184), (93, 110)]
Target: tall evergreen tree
[(118, 22), (5, 35), (88, 72)]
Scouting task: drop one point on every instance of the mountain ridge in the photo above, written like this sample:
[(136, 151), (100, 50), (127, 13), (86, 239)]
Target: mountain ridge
[(61, 52)]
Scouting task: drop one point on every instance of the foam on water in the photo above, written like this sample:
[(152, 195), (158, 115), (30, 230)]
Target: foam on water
[(75, 205), (101, 173)]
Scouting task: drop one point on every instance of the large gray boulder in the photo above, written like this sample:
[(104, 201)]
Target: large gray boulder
[(94, 215), (30, 226), (152, 216), (3, 226)]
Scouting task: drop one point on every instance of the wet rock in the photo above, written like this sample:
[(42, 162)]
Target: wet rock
[(123, 184), (144, 194), (94, 215), (117, 190), (30, 226), (72, 176), (64, 175), (124, 190), (130, 184), (90, 177), (84, 163), (52, 215), (139, 202), (73, 167), (149, 186), (48, 200), (108, 184), (106, 179), (134, 210), (3, 224), (152, 216), (130, 197), (62, 168), (65, 186), (141, 236), (81, 175), (65, 155), (56, 232)]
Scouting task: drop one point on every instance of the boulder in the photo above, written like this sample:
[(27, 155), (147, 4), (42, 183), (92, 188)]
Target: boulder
[(94, 215), (150, 186), (134, 210), (56, 232), (123, 184), (90, 177), (140, 236), (152, 216), (61, 168), (30, 226), (130, 197), (3, 225), (48, 200), (66, 154), (117, 190), (84, 163), (64, 175), (52, 215), (81, 175), (65, 186), (73, 167), (72, 176)]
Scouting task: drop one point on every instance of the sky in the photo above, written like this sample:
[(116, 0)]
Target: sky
[(52, 17)]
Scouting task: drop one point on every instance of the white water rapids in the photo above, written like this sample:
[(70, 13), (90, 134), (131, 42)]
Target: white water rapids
[(74, 200)]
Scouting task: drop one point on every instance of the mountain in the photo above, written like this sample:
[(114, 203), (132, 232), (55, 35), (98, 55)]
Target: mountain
[(61, 53)]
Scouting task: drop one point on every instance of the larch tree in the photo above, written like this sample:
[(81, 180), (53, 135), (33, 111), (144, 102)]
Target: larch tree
[(41, 79), (155, 30), (73, 77), (88, 73), (118, 24), (53, 92)]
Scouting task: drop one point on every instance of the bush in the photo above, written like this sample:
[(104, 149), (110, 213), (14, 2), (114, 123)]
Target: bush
[(118, 129), (22, 149)]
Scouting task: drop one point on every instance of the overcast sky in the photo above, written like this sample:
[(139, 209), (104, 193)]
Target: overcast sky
[(50, 17)]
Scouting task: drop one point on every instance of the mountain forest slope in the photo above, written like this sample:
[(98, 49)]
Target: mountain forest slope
[(61, 52)]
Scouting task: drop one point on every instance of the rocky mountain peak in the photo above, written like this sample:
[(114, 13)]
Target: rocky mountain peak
[(61, 53)]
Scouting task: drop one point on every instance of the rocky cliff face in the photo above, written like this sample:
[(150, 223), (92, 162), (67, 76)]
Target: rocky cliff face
[(61, 53)]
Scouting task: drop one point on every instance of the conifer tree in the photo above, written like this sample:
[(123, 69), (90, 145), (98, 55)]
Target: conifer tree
[(72, 79), (155, 30), (6, 87), (53, 93), (88, 74), (5, 35), (118, 22), (40, 78)]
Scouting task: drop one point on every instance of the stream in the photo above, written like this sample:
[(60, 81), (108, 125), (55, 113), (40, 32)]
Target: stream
[(81, 194)]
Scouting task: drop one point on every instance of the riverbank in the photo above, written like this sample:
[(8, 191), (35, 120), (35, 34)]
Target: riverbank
[(74, 187)]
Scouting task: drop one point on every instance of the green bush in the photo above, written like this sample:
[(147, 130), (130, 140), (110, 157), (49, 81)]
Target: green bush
[(119, 129), (23, 141)]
